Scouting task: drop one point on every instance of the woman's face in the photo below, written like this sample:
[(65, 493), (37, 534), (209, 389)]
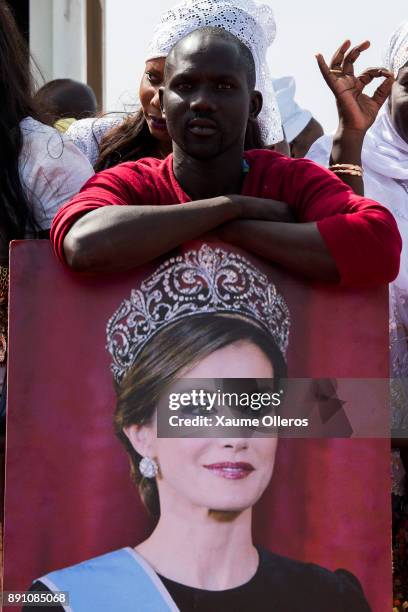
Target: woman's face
[(149, 98), (399, 103), (224, 474)]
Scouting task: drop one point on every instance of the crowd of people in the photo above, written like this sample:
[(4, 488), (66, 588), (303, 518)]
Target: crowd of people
[(110, 192)]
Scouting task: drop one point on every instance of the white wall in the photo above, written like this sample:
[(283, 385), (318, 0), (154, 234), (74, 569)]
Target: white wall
[(57, 38), (304, 28)]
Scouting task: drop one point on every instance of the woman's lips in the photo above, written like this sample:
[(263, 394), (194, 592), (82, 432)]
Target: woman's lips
[(230, 470), (158, 123)]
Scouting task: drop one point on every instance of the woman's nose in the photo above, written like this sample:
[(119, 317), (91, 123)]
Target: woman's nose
[(235, 443), (156, 100)]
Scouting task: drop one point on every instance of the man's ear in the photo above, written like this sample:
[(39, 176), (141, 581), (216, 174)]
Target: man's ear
[(255, 104), (161, 99), (142, 438)]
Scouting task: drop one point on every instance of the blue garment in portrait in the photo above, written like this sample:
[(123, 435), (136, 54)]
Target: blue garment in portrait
[(120, 580)]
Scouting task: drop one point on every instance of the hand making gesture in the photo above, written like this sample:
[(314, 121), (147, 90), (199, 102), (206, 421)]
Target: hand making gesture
[(357, 110)]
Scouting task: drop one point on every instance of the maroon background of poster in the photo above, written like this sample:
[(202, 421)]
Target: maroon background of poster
[(68, 493)]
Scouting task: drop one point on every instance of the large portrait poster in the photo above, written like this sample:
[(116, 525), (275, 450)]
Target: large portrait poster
[(69, 496)]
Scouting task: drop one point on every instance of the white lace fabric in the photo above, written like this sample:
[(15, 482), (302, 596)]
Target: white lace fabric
[(253, 24), (396, 53), (87, 134)]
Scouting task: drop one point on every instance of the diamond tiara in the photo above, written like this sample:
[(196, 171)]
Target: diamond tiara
[(207, 280)]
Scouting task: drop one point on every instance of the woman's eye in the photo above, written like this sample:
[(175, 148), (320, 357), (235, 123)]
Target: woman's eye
[(224, 86), (152, 78)]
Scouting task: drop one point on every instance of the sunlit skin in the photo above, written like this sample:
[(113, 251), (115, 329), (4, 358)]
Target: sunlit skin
[(303, 141), (152, 79), (357, 110), (200, 506), (399, 103)]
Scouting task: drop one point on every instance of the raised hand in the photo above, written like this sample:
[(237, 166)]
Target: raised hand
[(357, 111)]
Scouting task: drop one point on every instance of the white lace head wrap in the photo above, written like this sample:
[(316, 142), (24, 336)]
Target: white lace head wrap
[(253, 24), (396, 53)]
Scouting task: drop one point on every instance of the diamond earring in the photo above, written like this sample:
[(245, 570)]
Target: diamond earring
[(148, 467)]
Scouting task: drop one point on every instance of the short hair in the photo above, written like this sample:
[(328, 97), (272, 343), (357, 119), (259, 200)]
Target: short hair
[(219, 32), (62, 98)]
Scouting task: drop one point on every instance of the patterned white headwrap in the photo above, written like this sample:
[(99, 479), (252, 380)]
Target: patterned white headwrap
[(396, 54), (253, 24)]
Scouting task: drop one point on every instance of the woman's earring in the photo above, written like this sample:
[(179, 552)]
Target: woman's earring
[(148, 467)]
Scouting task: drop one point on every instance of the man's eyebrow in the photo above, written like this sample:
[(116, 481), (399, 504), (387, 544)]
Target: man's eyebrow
[(192, 73)]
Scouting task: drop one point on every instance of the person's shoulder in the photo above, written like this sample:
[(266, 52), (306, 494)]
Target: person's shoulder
[(261, 157), (44, 142), (265, 158), (153, 164), (87, 134), (266, 164), (93, 127), (295, 569), (37, 136), (147, 169), (51, 169), (31, 127), (106, 563), (320, 150), (316, 582), (144, 168), (99, 583)]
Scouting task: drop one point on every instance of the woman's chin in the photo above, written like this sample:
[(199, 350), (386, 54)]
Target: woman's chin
[(231, 505), (224, 516), (159, 131)]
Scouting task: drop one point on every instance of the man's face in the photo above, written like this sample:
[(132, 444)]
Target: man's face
[(206, 96)]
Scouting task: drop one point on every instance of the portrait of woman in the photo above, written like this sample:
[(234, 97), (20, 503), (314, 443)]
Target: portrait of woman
[(203, 314)]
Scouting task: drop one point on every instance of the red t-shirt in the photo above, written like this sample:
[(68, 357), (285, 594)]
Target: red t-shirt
[(360, 234)]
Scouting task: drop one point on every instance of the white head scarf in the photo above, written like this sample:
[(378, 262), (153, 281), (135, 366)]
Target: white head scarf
[(253, 24), (294, 118), (396, 53), (384, 151)]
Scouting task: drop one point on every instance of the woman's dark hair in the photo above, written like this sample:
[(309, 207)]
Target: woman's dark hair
[(129, 141), (175, 348), (16, 95)]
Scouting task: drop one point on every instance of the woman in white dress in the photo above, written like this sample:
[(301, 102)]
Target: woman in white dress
[(39, 169)]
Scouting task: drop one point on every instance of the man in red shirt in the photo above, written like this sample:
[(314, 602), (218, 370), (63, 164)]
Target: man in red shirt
[(289, 211)]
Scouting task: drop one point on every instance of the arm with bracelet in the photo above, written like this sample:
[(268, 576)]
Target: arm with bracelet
[(357, 111)]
